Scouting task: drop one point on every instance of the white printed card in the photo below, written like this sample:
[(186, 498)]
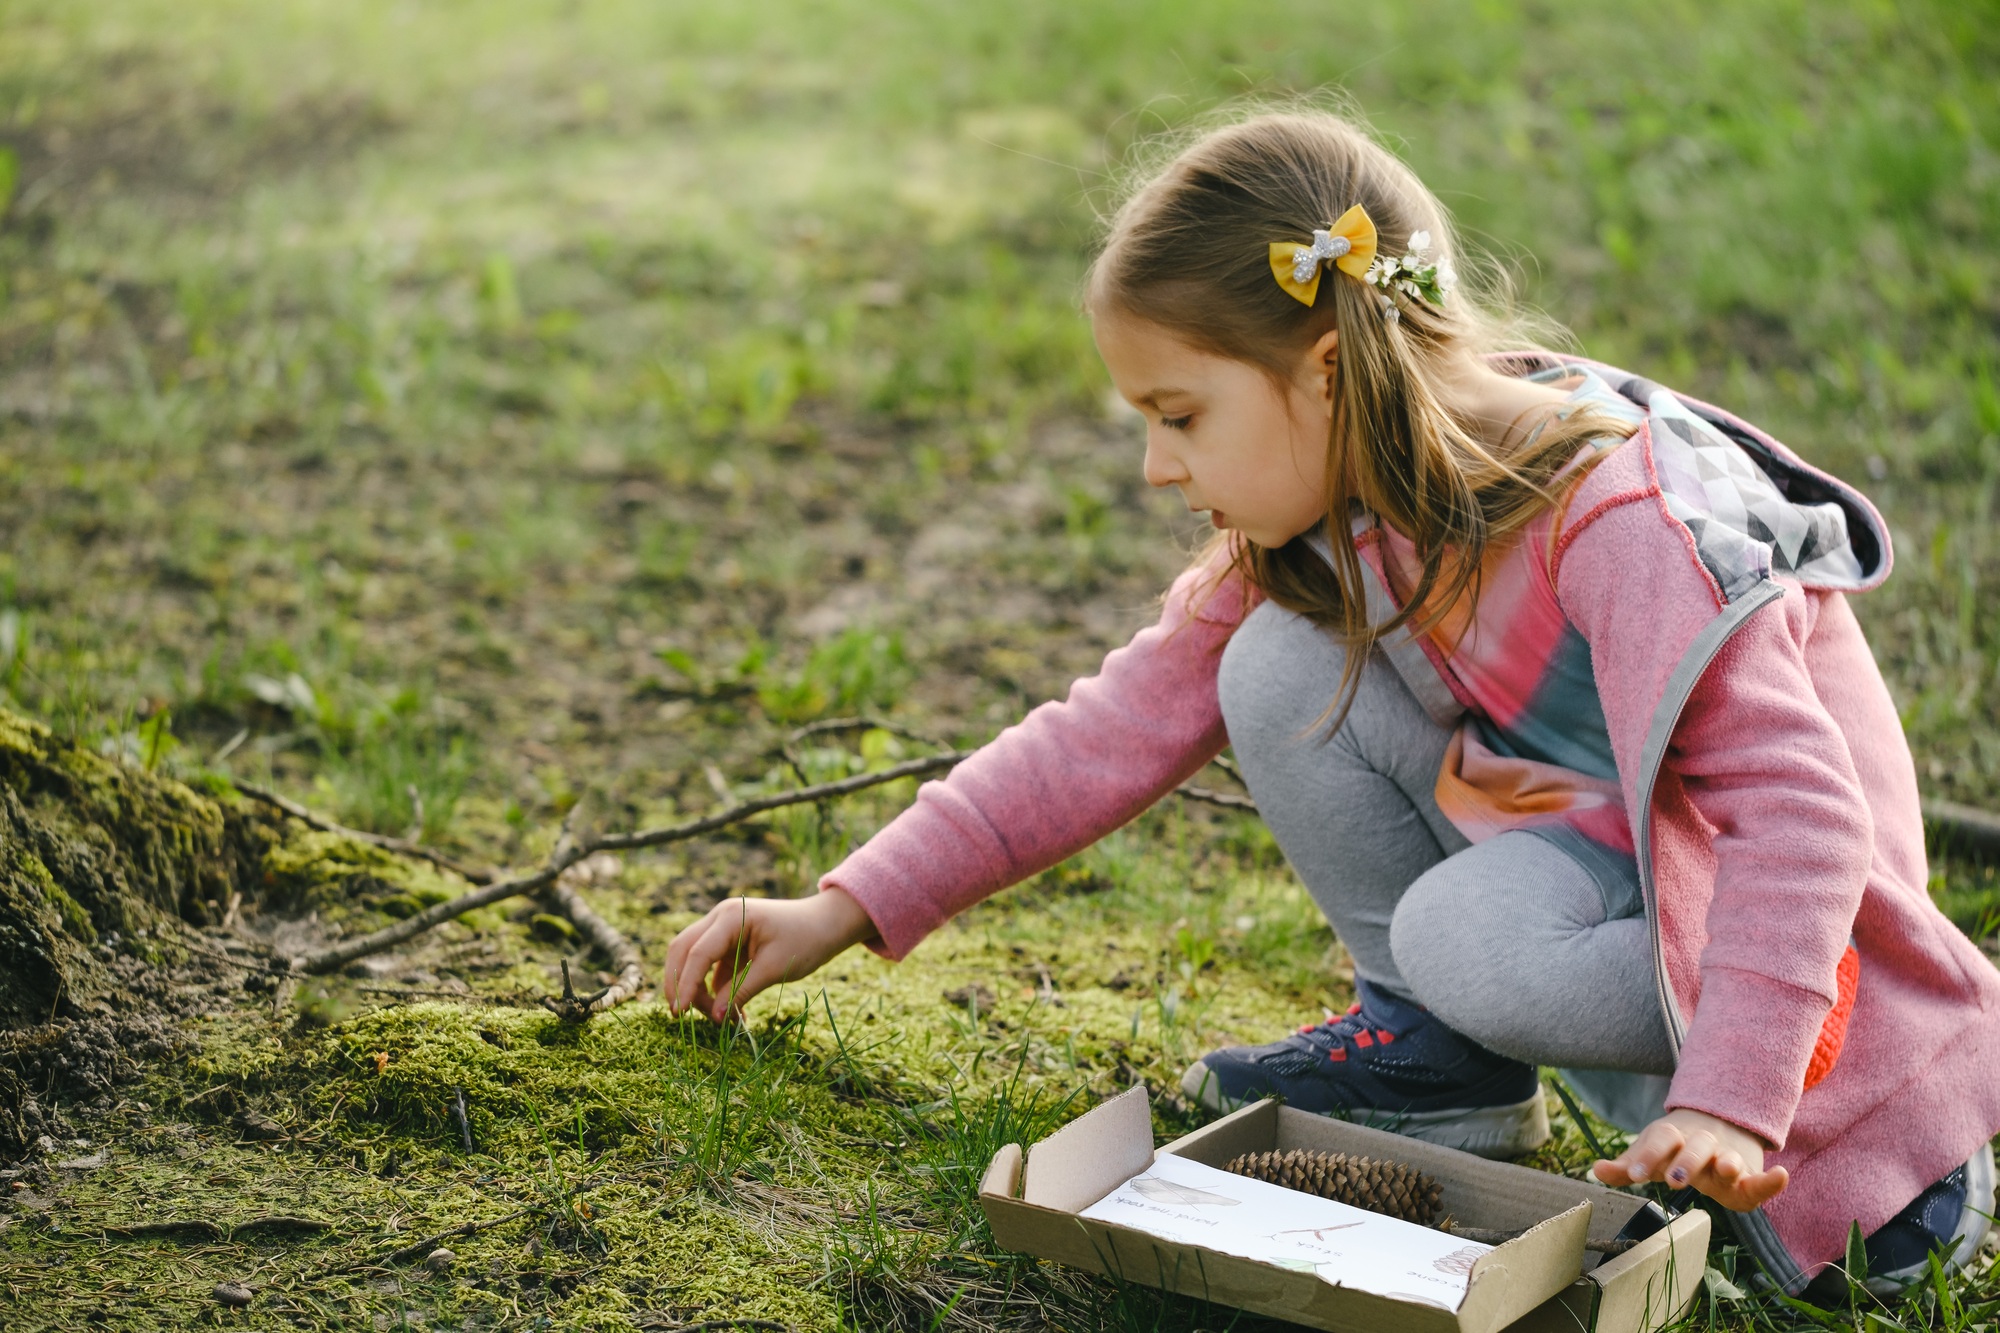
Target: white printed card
[(1179, 1200)]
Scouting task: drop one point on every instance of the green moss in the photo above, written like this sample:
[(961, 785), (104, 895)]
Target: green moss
[(552, 927), (43, 952), (75, 920), (346, 882), (93, 848)]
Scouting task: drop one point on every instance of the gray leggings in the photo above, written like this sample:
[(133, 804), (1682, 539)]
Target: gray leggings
[(1532, 944)]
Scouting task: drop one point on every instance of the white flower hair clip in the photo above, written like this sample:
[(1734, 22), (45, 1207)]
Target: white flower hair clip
[(1414, 274)]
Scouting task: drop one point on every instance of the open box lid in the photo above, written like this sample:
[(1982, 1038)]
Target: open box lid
[(1096, 1153)]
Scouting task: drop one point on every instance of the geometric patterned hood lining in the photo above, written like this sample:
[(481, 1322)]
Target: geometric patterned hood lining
[(1751, 510)]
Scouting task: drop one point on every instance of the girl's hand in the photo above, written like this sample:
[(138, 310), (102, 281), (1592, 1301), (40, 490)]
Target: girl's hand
[(1690, 1148), (744, 945)]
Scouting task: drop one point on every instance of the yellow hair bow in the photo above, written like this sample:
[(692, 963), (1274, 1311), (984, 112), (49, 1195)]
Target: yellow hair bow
[(1349, 243)]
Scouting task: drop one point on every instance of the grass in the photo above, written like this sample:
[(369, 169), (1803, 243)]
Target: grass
[(449, 413)]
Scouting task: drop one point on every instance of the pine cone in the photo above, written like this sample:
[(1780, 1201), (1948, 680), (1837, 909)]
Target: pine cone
[(1363, 1182)]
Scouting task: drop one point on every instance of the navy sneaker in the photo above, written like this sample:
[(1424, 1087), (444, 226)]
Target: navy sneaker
[(1949, 1219), (1390, 1064)]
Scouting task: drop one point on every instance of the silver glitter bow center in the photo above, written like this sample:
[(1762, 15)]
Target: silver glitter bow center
[(1325, 246)]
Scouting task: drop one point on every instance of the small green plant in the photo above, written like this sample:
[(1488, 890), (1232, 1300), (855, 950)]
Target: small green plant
[(738, 676), (741, 1095), (157, 741), (857, 668), (1197, 951), (500, 293), (568, 1219)]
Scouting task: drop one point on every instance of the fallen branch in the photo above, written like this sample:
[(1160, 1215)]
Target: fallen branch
[(336, 956), (1228, 800), (694, 828), (429, 1243), (569, 1006), (835, 725), (569, 852), (400, 846), (206, 1229), (623, 954), (1971, 833)]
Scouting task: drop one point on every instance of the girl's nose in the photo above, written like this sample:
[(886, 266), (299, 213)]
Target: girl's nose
[(1163, 467)]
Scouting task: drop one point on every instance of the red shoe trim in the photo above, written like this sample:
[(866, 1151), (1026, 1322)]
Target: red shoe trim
[(1337, 1054), (1384, 1036), (1363, 1040)]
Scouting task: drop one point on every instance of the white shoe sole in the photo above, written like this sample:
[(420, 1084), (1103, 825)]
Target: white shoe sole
[(1485, 1131)]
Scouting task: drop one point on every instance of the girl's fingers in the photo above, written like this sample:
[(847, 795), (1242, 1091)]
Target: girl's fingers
[(1647, 1156), (1696, 1153), (1759, 1189), (717, 942), (761, 973), (677, 951), (725, 985), (677, 959)]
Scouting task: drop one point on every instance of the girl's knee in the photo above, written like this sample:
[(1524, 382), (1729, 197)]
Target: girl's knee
[(1437, 938), (1276, 675)]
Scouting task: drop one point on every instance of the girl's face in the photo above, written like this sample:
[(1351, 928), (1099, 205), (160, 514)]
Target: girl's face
[(1251, 456)]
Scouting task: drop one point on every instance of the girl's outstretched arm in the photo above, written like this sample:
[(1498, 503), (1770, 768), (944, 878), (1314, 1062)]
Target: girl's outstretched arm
[(1068, 774)]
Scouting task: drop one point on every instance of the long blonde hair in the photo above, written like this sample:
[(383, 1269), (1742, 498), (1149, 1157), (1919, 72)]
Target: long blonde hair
[(1188, 251)]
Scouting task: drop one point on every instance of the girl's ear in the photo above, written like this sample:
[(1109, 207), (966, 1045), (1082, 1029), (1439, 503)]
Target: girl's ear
[(1323, 361)]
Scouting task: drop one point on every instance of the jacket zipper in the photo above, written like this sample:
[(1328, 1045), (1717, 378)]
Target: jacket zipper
[(1753, 1229), (1687, 674)]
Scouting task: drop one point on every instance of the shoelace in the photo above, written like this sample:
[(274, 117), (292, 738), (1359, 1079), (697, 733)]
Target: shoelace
[(1339, 1030)]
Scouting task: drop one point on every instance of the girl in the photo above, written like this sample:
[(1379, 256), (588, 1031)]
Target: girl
[(1545, 680)]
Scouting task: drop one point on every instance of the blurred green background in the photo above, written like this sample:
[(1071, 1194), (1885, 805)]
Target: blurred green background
[(443, 410), (437, 352)]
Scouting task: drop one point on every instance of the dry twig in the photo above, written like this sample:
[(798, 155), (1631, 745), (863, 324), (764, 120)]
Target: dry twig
[(400, 846), (1228, 800), (622, 953), (568, 852), (207, 1229), (1972, 833), (429, 1243), (458, 1113), (835, 725)]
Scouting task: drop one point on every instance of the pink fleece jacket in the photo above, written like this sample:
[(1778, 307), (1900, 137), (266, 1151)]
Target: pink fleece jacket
[(1774, 800)]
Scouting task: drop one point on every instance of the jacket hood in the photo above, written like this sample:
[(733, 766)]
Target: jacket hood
[(1754, 508)]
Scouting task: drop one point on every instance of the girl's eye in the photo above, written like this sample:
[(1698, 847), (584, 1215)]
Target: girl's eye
[(1177, 423)]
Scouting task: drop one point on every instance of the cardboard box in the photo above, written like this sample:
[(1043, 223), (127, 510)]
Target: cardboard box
[(1540, 1282)]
